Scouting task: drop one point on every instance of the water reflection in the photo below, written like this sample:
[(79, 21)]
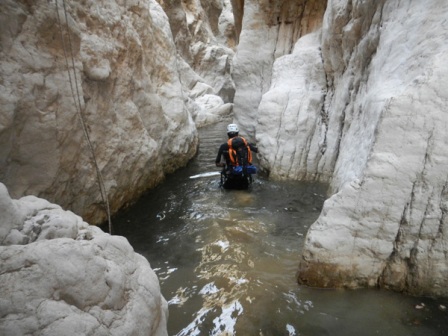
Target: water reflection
[(227, 260)]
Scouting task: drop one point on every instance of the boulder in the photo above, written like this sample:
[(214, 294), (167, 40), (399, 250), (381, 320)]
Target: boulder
[(61, 276)]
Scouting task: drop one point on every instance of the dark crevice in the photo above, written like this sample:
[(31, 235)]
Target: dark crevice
[(238, 14), (323, 111)]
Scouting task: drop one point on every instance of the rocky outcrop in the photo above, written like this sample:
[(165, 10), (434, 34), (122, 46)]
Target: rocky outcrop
[(61, 276), (137, 77), (358, 103)]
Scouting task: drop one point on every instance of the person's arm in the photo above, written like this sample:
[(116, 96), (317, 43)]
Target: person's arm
[(253, 148), (219, 156)]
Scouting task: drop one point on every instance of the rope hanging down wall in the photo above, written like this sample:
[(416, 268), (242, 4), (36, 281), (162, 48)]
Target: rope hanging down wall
[(78, 106)]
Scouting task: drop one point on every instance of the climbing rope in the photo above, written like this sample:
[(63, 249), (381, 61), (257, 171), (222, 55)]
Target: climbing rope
[(78, 107)]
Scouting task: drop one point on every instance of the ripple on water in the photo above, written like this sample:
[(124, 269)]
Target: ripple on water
[(227, 261)]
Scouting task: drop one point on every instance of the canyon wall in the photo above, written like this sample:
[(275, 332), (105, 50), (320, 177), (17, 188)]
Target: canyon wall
[(205, 39), (387, 223), (138, 96), (269, 30), (124, 82), (359, 102)]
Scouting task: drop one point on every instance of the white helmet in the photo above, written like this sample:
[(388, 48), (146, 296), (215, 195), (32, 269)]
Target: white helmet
[(232, 128)]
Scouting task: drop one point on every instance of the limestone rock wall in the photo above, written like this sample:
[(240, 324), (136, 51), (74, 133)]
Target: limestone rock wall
[(359, 102), (205, 38), (126, 79), (60, 276), (270, 30), (386, 106), (289, 118)]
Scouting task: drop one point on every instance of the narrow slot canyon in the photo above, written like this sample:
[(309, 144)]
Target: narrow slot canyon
[(108, 108)]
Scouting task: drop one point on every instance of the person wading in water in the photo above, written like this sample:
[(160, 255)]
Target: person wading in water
[(237, 166)]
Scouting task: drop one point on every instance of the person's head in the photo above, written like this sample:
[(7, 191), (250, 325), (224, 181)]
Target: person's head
[(232, 130)]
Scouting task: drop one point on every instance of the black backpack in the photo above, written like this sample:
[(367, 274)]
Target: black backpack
[(239, 152)]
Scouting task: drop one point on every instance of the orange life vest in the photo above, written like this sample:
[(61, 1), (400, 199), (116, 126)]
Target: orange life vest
[(239, 151)]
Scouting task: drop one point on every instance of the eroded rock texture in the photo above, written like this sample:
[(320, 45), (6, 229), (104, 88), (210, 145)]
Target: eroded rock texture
[(205, 38), (358, 101), (269, 30), (115, 66), (126, 81), (60, 276), (386, 109)]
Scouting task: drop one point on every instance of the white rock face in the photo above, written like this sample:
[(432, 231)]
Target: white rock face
[(289, 113), (205, 37), (211, 109), (127, 84), (252, 68), (132, 68), (269, 30), (374, 129), (61, 276), (386, 224)]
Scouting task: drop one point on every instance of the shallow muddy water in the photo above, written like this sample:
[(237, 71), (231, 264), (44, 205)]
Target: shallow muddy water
[(227, 260)]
